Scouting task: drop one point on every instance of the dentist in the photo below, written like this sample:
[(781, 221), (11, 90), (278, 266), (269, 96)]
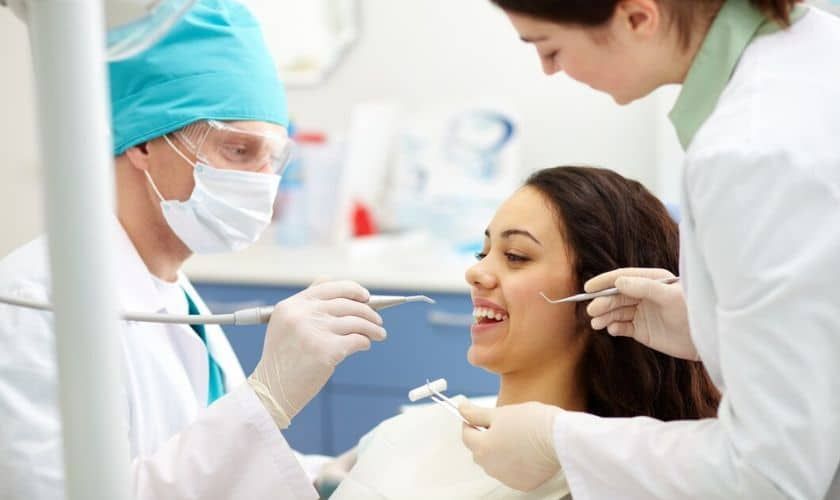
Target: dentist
[(199, 125)]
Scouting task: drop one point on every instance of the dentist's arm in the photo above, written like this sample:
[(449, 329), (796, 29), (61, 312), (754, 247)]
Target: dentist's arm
[(235, 448)]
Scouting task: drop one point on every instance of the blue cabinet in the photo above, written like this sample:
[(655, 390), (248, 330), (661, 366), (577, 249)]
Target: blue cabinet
[(424, 342)]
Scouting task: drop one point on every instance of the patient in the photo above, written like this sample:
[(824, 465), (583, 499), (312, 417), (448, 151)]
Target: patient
[(564, 226)]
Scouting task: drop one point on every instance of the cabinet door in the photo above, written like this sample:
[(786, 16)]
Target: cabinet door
[(424, 342)]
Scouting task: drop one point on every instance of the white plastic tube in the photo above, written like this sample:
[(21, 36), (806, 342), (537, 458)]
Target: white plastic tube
[(425, 390), (68, 53)]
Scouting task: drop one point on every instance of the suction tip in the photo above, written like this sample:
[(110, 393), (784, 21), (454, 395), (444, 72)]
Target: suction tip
[(421, 298)]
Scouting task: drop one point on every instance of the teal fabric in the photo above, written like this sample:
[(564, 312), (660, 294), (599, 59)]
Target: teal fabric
[(214, 64), (216, 383)]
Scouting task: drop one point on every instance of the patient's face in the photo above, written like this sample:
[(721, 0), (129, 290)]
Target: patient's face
[(524, 254)]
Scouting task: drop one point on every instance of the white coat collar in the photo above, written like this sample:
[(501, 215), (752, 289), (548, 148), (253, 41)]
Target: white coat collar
[(139, 293), (136, 286)]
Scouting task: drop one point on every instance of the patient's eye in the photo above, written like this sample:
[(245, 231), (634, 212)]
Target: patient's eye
[(514, 258), (480, 255)]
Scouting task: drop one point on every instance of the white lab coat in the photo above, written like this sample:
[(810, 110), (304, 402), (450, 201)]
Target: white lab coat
[(181, 449), (760, 255)]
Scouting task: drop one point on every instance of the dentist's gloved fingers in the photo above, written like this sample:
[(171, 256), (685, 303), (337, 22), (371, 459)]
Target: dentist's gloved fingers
[(347, 325), (338, 289), (659, 318), (622, 329), (305, 340), (643, 289), (476, 415), (518, 446), (607, 280), (350, 344), (603, 305), (473, 438), (347, 307), (613, 316)]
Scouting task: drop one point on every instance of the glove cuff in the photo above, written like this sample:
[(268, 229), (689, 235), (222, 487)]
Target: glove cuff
[(271, 405)]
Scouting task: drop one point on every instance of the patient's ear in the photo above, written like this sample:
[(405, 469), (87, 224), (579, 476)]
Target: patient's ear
[(138, 156)]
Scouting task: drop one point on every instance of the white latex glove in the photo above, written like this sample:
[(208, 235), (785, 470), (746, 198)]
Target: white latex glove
[(518, 446), (653, 313), (308, 335)]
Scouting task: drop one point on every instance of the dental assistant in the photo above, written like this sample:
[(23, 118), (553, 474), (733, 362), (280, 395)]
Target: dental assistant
[(199, 128), (759, 119)]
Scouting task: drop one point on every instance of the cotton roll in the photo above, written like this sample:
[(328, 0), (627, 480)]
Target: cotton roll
[(424, 391)]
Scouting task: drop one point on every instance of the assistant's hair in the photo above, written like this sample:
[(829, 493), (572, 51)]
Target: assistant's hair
[(610, 222), (597, 12)]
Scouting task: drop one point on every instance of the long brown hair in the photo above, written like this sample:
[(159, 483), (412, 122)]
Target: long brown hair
[(609, 222), (594, 13)]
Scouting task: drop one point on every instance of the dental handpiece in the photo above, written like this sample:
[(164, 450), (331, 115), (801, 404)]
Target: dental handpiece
[(250, 316), (379, 302), (376, 302)]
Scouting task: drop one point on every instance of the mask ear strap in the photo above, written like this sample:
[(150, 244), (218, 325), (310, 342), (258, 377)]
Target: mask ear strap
[(149, 177), (177, 150)]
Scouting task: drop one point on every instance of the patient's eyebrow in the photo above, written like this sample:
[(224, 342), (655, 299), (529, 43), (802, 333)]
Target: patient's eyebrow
[(515, 232)]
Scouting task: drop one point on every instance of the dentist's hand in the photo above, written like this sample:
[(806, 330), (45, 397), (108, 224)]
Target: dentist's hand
[(308, 335), (518, 446), (651, 312)]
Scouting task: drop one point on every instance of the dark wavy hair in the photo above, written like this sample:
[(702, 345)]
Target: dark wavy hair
[(609, 222), (592, 13)]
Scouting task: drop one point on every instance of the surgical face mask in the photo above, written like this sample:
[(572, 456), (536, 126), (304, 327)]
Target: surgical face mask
[(227, 211)]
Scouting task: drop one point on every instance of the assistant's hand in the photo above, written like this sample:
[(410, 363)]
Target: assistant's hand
[(518, 446), (651, 312), (308, 335)]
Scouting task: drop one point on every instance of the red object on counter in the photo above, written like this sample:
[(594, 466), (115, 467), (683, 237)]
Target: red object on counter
[(363, 223)]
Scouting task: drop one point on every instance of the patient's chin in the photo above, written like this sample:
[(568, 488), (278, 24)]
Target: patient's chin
[(485, 357)]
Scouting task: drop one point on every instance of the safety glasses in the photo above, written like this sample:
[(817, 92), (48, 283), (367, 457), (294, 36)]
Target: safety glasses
[(226, 146)]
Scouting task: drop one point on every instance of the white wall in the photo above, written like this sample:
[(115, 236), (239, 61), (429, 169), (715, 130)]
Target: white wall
[(21, 211), (423, 53), (427, 52)]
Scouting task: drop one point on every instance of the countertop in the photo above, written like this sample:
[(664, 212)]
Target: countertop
[(407, 263)]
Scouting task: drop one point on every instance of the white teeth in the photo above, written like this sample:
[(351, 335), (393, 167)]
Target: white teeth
[(484, 312)]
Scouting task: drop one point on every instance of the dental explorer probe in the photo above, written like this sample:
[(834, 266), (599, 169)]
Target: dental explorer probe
[(250, 316), (603, 293)]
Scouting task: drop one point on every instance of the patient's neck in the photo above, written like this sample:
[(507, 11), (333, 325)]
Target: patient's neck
[(557, 385)]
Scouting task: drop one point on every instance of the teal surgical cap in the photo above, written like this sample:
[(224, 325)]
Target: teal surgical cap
[(213, 64)]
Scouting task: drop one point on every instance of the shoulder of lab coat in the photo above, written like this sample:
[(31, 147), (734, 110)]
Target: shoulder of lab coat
[(31, 463), (233, 447), (762, 201)]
